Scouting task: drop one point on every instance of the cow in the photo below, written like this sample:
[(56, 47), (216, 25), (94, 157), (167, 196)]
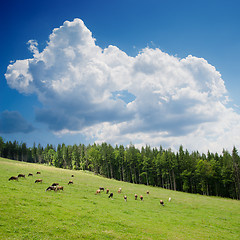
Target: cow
[(125, 198), (72, 175), (111, 195), (161, 202), (50, 188), (38, 172), (59, 188), (101, 188), (98, 191), (13, 178), (141, 197), (38, 180), (55, 184), (107, 191), (119, 190), (21, 175), (147, 192), (135, 196), (169, 199), (70, 182), (30, 174)]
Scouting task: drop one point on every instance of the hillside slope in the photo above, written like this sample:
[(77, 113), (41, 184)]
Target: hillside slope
[(27, 211)]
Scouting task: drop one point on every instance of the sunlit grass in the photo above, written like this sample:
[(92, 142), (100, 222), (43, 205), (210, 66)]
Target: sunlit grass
[(28, 212)]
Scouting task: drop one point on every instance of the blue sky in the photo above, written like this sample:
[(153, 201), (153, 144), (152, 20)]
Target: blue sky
[(146, 72)]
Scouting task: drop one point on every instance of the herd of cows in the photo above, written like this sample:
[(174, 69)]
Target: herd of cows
[(125, 197), (56, 187)]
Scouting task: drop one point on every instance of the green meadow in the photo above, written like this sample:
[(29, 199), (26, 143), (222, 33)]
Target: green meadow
[(27, 211)]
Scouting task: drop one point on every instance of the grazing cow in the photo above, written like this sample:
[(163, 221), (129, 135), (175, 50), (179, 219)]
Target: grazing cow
[(141, 197), (111, 195), (135, 196), (55, 184), (38, 172), (30, 174), (70, 182), (119, 190), (147, 192), (21, 175), (13, 178), (72, 175), (98, 191), (51, 188), (59, 188), (169, 199), (38, 180), (101, 188), (161, 202), (125, 198), (107, 191)]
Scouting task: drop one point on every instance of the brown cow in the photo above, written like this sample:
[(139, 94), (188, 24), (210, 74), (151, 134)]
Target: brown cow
[(141, 197), (30, 174), (107, 191), (38, 180), (98, 191), (135, 196), (70, 182), (13, 178), (119, 190), (59, 188), (38, 172), (21, 175), (161, 202)]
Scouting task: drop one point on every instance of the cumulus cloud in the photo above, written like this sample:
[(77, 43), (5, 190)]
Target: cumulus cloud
[(13, 122), (151, 98)]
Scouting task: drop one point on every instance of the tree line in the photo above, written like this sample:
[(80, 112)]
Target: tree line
[(207, 174)]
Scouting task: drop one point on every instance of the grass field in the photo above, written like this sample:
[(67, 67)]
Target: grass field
[(27, 211)]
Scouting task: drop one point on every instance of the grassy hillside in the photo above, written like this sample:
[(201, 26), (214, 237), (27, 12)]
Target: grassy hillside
[(27, 211)]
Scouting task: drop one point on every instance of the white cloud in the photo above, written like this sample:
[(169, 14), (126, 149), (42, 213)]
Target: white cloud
[(33, 47), (177, 101)]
